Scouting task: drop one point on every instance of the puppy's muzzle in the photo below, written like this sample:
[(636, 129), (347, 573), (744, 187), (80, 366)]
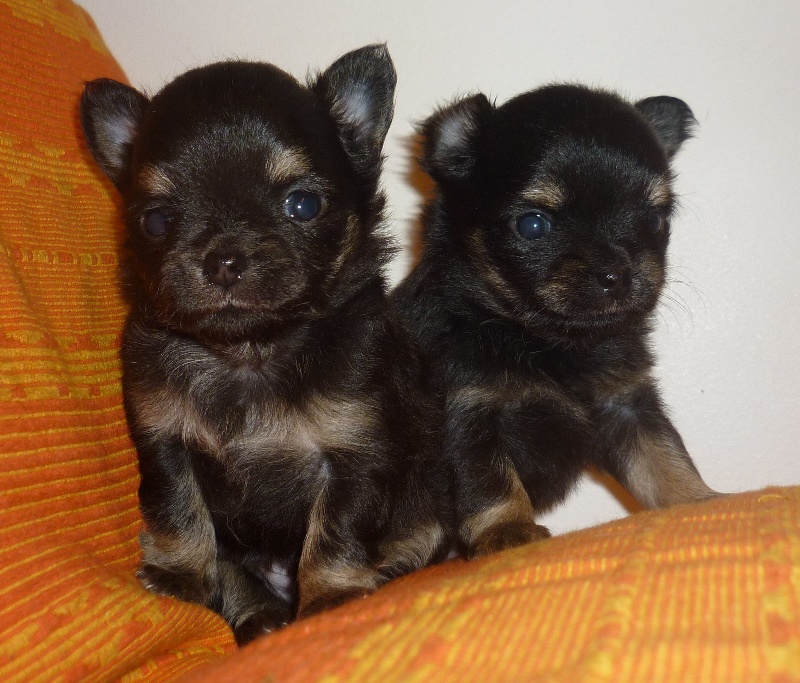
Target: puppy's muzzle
[(224, 269)]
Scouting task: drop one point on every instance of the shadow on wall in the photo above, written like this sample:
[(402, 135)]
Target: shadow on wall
[(424, 186)]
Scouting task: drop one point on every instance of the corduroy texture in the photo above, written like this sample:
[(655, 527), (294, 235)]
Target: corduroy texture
[(70, 606), (699, 594)]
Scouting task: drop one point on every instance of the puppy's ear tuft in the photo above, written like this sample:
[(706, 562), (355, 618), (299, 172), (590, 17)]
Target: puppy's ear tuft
[(450, 136), (671, 119), (110, 112), (358, 92)]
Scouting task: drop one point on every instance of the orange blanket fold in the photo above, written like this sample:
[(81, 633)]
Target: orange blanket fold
[(70, 606)]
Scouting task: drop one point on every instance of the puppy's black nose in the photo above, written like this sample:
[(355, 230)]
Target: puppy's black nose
[(224, 269), (616, 283)]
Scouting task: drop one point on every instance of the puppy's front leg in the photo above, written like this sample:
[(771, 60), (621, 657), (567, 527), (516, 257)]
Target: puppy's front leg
[(493, 509), (178, 547), (334, 563), (644, 451), (180, 557), (247, 604)]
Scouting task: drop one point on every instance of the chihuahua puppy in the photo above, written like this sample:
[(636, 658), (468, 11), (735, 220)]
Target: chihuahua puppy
[(287, 438), (544, 256)]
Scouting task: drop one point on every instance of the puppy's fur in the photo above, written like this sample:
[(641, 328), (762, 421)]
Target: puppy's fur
[(544, 256), (286, 437)]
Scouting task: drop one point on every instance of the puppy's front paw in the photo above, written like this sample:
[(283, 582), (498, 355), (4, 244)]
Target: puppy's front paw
[(505, 536), (259, 624), (329, 601), (174, 584)]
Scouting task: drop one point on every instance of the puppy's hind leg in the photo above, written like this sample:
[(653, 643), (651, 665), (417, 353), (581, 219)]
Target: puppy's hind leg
[(179, 568), (180, 555), (644, 451), (658, 471)]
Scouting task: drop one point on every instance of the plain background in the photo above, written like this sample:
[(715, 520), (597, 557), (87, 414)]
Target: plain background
[(728, 337)]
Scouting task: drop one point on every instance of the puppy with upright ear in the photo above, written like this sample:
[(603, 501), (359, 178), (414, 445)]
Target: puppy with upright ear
[(545, 254), (287, 435)]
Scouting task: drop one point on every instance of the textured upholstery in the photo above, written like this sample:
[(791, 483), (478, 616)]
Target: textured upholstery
[(69, 603), (706, 593)]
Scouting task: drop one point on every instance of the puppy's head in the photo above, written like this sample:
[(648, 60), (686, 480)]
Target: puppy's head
[(251, 199), (558, 203)]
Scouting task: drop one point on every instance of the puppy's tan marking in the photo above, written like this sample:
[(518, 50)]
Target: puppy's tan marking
[(155, 181), (506, 524), (194, 547), (647, 269), (412, 552), (558, 290), (328, 582), (659, 473), (340, 423), (324, 577), (488, 272), (547, 194), (286, 164), (164, 413), (498, 395), (324, 423), (608, 386), (350, 242), (659, 191)]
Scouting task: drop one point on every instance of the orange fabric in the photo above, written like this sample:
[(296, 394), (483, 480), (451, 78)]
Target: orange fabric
[(699, 594), (70, 606)]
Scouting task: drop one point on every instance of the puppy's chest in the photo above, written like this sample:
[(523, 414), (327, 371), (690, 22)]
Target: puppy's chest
[(244, 420), (571, 386)]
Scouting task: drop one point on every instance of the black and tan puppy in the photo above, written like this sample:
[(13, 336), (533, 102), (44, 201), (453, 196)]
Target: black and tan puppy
[(544, 256), (279, 410)]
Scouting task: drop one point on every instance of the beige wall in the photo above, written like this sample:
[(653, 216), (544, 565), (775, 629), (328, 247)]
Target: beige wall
[(729, 331)]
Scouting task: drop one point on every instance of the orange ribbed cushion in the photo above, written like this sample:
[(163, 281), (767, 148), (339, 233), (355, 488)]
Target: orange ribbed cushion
[(70, 606), (707, 593)]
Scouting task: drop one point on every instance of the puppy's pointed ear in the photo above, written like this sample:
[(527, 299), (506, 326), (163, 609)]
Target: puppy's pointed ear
[(450, 137), (358, 92), (671, 119), (110, 112)]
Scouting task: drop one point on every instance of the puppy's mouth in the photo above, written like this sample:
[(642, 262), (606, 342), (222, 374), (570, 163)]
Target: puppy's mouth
[(232, 305), (585, 325), (595, 319), (229, 302), (240, 311), (594, 313)]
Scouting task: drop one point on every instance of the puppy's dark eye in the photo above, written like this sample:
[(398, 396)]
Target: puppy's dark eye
[(534, 225), (656, 221), (302, 205), (156, 223)]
